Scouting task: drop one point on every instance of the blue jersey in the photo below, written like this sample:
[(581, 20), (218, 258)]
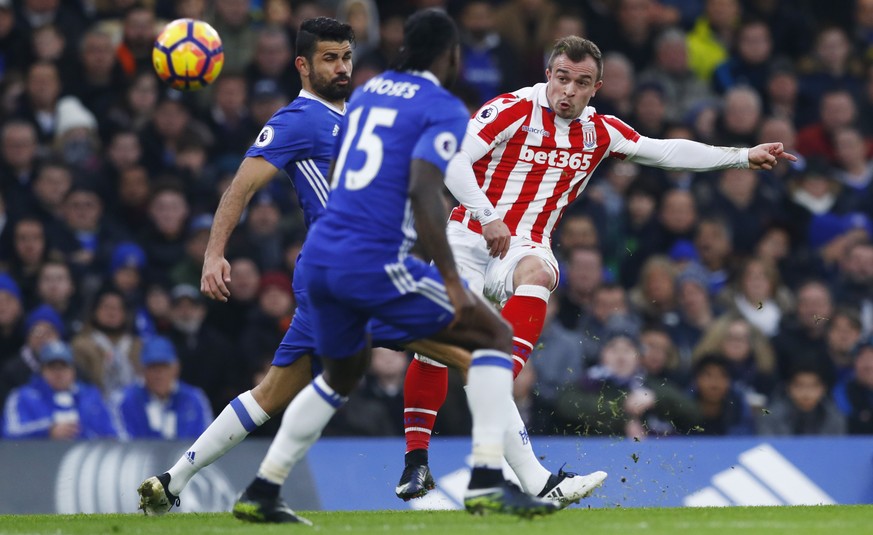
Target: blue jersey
[(300, 139), (393, 119)]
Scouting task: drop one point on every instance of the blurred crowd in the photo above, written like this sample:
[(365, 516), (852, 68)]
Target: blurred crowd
[(724, 303)]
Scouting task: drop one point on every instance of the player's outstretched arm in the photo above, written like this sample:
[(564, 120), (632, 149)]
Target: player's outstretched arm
[(686, 155), (252, 175), (426, 195)]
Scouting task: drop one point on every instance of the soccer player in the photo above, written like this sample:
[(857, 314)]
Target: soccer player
[(400, 132), (525, 157)]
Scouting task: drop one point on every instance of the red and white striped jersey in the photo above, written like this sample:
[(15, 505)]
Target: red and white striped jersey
[(536, 163)]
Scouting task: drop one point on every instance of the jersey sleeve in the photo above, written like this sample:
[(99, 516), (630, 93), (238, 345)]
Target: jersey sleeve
[(442, 134), (623, 140), (285, 137)]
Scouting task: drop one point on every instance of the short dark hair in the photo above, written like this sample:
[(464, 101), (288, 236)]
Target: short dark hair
[(426, 34), (313, 31), (576, 49)]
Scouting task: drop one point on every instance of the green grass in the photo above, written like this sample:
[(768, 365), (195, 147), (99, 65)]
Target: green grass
[(832, 520)]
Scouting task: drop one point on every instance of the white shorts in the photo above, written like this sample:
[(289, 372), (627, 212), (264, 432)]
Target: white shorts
[(488, 276)]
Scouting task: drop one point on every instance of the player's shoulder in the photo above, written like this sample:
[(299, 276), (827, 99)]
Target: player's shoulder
[(614, 124), (515, 104)]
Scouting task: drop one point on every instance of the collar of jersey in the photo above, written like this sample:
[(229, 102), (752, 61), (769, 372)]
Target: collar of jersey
[(427, 75), (306, 94), (543, 101)]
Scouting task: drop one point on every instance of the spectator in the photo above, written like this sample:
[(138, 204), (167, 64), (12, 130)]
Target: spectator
[(29, 252), (711, 38), (713, 243), (558, 360), (830, 68), (131, 206), (610, 313), (36, 14), (615, 400), (99, 77), (489, 62), (641, 231), (670, 70), (584, 275), (616, 95), (56, 288), (187, 270), (659, 358), (170, 127), (134, 53), (753, 364), (234, 23), (126, 267), (134, 108), (377, 404), (634, 32), (273, 61), (854, 168), (272, 317), (260, 236), (750, 62), (50, 187), (205, 353), (758, 296), (165, 235), (55, 405), (229, 118), (741, 117), (802, 333), (724, 410), (162, 406), (836, 109), (363, 17), (650, 109), (854, 394), (696, 311), (654, 295), (39, 105), (804, 409), (854, 284), (42, 326), (525, 24), (107, 352), (232, 316), (87, 237), (782, 93), (76, 139), (11, 317), (844, 333), (12, 41), (18, 164), (677, 216)]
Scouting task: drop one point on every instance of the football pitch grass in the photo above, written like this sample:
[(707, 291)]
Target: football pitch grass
[(832, 520)]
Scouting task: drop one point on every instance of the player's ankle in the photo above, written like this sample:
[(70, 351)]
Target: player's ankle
[(485, 478), (416, 457)]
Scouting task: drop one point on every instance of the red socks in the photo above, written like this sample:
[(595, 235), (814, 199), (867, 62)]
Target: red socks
[(526, 312), (424, 392)]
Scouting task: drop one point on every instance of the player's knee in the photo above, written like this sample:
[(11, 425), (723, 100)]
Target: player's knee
[(533, 271)]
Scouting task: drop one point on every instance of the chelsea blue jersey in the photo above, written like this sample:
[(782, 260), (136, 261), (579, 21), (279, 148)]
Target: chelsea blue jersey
[(300, 138), (394, 118)]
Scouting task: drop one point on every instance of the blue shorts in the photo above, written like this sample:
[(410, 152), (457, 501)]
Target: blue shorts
[(408, 298), (299, 339)]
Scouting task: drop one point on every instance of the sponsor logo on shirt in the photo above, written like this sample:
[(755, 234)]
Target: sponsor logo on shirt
[(555, 158), (540, 131)]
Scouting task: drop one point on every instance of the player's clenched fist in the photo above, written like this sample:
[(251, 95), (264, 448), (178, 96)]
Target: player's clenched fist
[(215, 278)]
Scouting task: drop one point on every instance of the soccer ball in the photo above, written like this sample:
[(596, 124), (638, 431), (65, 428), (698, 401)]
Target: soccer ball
[(188, 54)]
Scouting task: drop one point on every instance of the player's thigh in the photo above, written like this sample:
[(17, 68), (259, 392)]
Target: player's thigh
[(471, 255), (498, 276), (339, 327), (421, 308)]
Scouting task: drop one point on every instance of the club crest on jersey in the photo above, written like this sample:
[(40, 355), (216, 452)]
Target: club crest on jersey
[(265, 137), (487, 115), (589, 136)]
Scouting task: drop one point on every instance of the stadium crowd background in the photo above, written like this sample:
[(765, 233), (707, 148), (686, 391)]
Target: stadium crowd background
[(725, 303)]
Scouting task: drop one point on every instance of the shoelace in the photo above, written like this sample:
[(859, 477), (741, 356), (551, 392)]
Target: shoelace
[(562, 474)]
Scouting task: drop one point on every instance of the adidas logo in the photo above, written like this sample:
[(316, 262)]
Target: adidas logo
[(763, 477), (190, 456), (555, 493)]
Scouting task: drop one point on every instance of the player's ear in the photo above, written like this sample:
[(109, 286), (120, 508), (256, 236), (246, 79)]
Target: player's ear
[(597, 85), (302, 65)]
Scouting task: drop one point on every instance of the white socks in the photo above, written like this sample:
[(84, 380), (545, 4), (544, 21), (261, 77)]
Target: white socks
[(520, 455), (304, 419), (241, 416), (489, 392)]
